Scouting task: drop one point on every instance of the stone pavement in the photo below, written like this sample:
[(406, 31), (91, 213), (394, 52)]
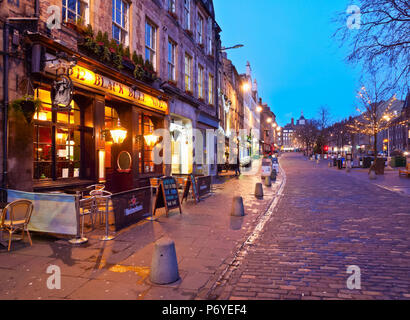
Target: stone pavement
[(205, 235), (325, 222)]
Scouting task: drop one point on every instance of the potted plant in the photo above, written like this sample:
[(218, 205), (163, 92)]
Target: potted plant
[(27, 105), (172, 83), (126, 60), (189, 32), (173, 15)]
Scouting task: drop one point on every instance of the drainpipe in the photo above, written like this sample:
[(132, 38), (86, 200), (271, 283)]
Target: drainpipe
[(6, 33)]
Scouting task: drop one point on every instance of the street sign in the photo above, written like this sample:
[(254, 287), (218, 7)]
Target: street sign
[(190, 182)]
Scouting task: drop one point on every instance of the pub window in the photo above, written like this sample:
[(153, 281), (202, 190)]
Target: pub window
[(188, 72), (111, 120), (147, 127), (57, 141)]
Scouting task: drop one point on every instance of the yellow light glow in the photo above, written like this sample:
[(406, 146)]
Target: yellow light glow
[(86, 77), (246, 87), (259, 109), (42, 116), (101, 166), (269, 120), (151, 140), (119, 133)]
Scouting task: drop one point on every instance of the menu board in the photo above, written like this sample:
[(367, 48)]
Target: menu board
[(191, 182), (204, 185), (167, 195)]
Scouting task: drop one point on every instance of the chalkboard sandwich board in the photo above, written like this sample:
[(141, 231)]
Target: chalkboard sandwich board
[(191, 182), (167, 195)]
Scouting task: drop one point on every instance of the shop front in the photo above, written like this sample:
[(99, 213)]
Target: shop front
[(105, 135)]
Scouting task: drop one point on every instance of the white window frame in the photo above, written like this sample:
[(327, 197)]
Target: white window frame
[(200, 81), (211, 80), (123, 29), (153, 47), (188, 72), (187, 14), (83, 15), (210, 44), (171, 6), (200, 29), (172, 48)]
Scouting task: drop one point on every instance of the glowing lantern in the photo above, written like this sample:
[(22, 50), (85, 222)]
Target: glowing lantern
[(119, 133)]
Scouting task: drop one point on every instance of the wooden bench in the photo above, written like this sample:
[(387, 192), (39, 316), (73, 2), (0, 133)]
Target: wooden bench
[(405, 172)]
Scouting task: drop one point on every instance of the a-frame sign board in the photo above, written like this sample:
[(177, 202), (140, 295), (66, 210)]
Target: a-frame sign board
[(167, 195), (191, 182)]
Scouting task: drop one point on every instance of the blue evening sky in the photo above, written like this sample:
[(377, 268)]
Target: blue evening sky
[(297, 63)]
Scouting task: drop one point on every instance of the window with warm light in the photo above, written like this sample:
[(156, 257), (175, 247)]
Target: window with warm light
[(146, 145), (57, 141)]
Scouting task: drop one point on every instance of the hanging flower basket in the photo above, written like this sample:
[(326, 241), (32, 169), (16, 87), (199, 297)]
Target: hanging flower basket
[(27, 105)]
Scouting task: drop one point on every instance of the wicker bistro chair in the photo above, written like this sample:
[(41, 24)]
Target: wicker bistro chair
[(16, 216)]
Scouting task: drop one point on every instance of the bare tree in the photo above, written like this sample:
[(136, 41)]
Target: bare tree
[(323, 123), (307, 134), (380, 40), (375, 110)]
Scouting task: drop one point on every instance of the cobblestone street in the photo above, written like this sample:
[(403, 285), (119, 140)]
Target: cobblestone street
[(325, 222)]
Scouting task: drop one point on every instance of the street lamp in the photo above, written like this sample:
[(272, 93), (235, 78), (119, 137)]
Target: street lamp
[(259, 109), (246, 87), (387, 118), (234, 47), (269, 120), (118, 133)]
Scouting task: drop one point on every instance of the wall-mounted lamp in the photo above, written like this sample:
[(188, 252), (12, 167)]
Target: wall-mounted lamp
[(151, 140), (118, 133)]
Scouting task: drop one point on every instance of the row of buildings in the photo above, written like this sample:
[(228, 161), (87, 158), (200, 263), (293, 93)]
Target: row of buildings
[(395, 140), (96, 79)]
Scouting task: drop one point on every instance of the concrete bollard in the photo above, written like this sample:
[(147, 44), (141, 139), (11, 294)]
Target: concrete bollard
[(164, 266), (372, 175), (238, 209), (268, 182), (259, 191)]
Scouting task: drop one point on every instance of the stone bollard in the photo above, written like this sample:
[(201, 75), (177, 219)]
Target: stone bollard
[(238, 209), (259, 191), (164, 266), (372, 175), (268, 182)]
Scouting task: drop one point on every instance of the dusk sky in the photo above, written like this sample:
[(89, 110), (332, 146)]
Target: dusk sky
[(297, 63)]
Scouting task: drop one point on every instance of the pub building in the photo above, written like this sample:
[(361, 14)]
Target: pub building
[(105, 137)]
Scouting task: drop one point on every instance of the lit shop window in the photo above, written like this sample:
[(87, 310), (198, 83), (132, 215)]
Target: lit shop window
[(120, 21), (57, 141), (146, 145), (110, 121)]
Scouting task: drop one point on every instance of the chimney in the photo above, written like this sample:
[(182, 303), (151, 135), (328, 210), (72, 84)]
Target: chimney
[(255, 86)]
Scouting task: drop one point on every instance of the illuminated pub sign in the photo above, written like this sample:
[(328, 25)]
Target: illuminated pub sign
[(86, 77)]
